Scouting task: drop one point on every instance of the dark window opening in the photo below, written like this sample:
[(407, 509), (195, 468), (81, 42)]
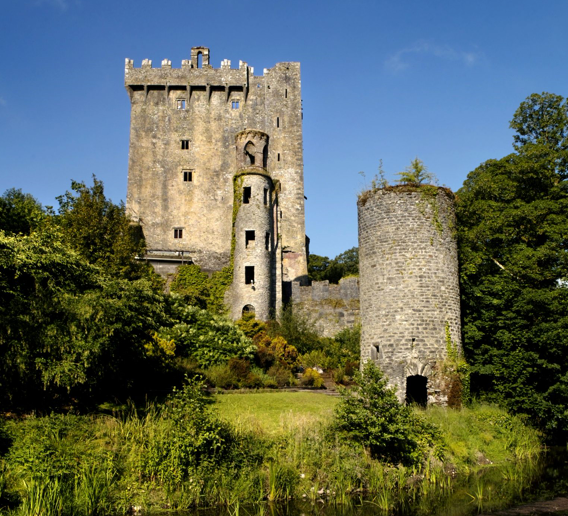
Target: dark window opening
[(416, 390), (248, 309), (249, 275), (181, 104), (267, 241), (235, 104), (249, 238), (266, 196), (247, 193), (277, 121), (286, 94), (184, 144), (374, 352), (178, 233), (188, 175), (278, 156), (249, 153)]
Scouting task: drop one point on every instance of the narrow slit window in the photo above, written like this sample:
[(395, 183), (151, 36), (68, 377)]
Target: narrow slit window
[(249, 239), (267, 241), (178, 233), (277, 121), (278, 156), (188, 176), (249, 275), (181, 104), (235, 104), (184, 144), (246, 194), (266, 196), (286, 94)]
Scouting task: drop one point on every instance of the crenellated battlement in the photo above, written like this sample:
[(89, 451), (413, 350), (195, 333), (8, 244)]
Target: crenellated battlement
[(196, 71)]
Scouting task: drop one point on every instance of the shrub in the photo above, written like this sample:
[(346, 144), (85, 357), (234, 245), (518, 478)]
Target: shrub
[(311, 378), (370, 414), (250, 326), (282, 375)]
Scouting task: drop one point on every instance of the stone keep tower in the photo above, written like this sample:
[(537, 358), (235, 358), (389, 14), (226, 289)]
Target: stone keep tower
[(184, 131), (409, 285)]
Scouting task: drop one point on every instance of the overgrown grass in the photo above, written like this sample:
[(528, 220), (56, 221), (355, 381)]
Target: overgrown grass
[(482, 435), (275, 413), (244, 448)]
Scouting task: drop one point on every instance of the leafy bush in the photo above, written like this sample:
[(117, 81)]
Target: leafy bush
[(311, 378), (282, 375), (209, 339), (272, 350), (370, 414), (250, 326)]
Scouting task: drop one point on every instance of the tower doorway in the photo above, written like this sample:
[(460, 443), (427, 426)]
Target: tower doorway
[(416, 390)]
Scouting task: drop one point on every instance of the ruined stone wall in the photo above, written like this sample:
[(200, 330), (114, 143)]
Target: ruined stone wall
[(184, 120), (409, 282), (331, 307)]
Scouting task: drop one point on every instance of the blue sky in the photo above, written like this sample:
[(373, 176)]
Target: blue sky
[(386, 80)]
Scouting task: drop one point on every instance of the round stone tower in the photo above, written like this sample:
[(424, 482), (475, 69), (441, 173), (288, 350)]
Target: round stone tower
[(410, 304), (252, 289)]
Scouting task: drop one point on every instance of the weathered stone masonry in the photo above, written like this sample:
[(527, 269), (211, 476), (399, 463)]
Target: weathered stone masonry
[(183, 136), (409, 283)]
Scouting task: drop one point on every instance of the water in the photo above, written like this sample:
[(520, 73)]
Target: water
[(490, 490)]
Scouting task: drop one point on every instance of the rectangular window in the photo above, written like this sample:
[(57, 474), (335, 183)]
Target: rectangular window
[(188, 175), (235, 104), (184, 144), (285, 94), (181, 104), (266, 196), (249, 275), (249, 239), (178, 233), (278, 156), (277, 121), (267, 241), (246, 194)]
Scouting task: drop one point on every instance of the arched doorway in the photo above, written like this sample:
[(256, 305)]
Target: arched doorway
[(417, 390), (248, 309)]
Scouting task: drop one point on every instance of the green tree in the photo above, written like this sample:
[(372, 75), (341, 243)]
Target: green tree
[(100, 231), (20, 213), (513, 238), (318, 267)]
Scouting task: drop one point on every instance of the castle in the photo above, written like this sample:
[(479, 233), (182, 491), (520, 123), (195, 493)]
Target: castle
[(215, 173), (215, 178)]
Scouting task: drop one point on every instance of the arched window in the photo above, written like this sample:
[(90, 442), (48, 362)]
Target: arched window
[(249, 153), (199, 59), (248, 309)]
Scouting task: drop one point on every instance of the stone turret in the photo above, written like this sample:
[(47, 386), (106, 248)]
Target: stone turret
[(409, 285), (254, 229)]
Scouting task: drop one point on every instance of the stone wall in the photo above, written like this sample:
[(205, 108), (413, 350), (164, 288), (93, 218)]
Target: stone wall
[(331, 307), (409, 283), (182, 155)]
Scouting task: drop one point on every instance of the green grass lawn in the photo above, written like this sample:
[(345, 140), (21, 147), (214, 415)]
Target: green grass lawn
[(276, 412)]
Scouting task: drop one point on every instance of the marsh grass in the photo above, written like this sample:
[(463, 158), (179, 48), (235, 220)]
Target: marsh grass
[(255, 448)]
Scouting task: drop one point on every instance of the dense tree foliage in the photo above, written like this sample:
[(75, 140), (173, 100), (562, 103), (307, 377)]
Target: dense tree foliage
[(81, 319), (513, 239), (321, 268), (100, 231)]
